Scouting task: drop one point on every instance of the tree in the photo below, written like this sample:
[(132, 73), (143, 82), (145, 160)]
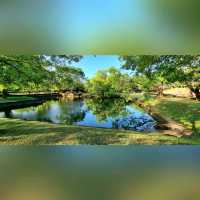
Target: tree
[(33, 73), (18, 71), (69, 78), (184, 69), (108, 83), (62, 59)]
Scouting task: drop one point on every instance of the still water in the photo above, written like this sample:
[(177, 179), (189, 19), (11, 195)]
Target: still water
[(108, 113)]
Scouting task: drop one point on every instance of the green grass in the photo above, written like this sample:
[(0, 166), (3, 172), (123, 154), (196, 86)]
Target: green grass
[(14, 131), (184, 111), (15, 99)]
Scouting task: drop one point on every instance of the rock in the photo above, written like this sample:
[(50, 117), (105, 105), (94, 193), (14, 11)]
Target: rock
[(143, 123)]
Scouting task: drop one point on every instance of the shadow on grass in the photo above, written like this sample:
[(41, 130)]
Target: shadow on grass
[(184, 111), (14, 131), (43, 133)]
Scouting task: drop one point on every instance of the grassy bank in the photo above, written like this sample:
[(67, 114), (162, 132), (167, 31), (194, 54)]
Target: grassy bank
[(182, 110), (14, 131)]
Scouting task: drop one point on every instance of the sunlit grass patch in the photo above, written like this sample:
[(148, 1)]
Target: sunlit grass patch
[(184, 111)]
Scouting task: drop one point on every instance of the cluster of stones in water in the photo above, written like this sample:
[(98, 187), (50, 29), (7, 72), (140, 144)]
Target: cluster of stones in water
[(143, 123)]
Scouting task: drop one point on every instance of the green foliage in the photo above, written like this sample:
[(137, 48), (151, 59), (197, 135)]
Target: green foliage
[(183, 111), (62, 59), (109, 83), (39, 72), (142, 83), (68, 78), (167, 69), (140, 64)]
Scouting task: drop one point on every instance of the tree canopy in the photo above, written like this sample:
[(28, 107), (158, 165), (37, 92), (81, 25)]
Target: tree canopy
[(108, 83), (184, 69), (39, 72)]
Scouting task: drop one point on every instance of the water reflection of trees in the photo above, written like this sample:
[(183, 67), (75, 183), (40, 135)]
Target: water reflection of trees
[(71, 111), (120, 113), (67, 112), (40, 112), (104, 108), (62, 111)]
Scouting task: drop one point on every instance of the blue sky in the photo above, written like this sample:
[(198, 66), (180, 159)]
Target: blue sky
[(91, 64)]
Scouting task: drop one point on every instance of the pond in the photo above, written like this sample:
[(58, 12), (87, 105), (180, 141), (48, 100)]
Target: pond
[(107, 113)]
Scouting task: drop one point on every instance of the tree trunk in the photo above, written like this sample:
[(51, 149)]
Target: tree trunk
[(161, 89), (196, 91), (5, 93)]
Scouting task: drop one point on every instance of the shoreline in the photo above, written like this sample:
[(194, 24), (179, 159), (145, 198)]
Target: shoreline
[(164, 125), (18, 132), (20, 104)]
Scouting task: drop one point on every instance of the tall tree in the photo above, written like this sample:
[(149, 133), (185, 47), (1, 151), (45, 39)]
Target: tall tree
[(108, 83), (31, 72), (168, 68), (69, 78)]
